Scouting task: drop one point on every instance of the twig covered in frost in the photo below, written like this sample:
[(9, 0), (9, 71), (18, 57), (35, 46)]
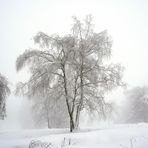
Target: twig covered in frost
[(132, 139), (66, 142)]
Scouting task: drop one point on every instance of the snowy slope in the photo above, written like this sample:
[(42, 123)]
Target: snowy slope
[(117, 136)]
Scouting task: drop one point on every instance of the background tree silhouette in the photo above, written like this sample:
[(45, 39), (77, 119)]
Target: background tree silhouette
[(4, 92)]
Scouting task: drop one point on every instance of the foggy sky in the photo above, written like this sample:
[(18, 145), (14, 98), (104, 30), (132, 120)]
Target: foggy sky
[(126, 21)]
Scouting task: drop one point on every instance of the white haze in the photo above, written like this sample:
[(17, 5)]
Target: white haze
[(126, 21)]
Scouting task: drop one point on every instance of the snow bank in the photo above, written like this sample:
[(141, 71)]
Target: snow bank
[(115, 136)]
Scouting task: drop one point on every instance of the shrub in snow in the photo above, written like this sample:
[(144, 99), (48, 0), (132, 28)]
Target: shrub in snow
[(39, 144)]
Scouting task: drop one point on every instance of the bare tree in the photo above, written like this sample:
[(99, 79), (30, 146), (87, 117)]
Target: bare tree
[(95, 78), (73, 65), (4, 92), (47, 68)]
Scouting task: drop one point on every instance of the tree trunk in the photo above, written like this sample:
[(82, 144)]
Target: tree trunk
[(79, 108), (48, 120), (48, 123), (67, 100), (72, 127), (77, 118)]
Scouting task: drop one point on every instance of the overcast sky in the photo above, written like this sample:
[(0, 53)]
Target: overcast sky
[(125, 20)]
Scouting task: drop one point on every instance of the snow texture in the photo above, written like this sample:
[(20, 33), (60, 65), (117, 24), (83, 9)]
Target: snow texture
[(115, 136)]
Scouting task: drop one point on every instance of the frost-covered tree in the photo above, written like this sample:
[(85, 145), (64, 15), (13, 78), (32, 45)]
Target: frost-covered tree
[(49, 113), (136, 107), (95, 77), (47, 108), (73, 66), (45, 104), (4, 92)]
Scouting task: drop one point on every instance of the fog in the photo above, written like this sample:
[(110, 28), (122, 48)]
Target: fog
[(126, 21)]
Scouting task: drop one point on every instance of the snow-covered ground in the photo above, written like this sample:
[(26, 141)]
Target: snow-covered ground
[(115, 136)]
